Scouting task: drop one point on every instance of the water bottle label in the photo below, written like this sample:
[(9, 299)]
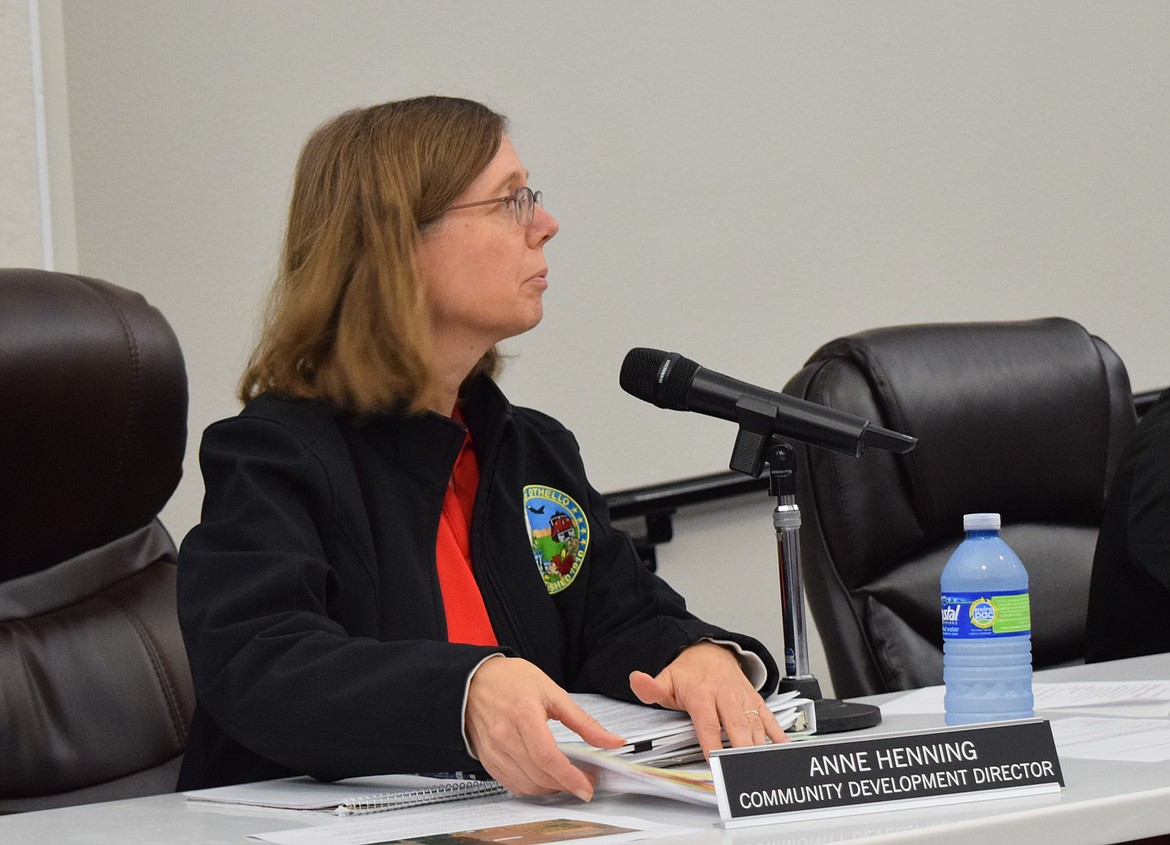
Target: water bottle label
[(972, 616)]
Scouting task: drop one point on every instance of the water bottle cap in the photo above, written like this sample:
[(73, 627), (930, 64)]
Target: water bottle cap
[(980, 522)]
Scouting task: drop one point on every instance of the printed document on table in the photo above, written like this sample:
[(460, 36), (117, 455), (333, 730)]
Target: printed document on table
[(480, 820), (1131, 740), (1113, 698), (1117, 698)]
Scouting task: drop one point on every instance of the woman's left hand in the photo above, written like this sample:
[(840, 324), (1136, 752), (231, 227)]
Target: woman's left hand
[(706, 682)]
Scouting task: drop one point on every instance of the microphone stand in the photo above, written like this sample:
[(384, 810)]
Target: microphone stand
[(754, 442)]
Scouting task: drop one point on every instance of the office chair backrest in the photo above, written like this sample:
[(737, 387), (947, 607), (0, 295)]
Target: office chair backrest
[(1027, 419), (95, 694)]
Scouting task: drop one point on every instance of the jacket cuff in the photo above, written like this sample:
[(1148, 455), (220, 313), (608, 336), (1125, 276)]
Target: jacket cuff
[(751, 663)]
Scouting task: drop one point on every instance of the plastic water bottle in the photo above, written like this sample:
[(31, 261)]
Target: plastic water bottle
[(987, 628)]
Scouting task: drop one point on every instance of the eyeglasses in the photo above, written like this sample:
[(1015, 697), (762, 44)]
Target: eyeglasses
[(523, 201)]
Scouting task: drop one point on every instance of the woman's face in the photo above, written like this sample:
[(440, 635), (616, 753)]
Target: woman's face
[(483, 273)]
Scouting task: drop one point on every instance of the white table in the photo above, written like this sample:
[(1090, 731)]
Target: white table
[(1102, 802)]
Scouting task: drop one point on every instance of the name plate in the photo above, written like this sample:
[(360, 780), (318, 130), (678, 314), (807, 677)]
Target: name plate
[(845, 776)]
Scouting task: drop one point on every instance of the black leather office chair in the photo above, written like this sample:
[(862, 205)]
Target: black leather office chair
[(95, 694), (1028, 419)]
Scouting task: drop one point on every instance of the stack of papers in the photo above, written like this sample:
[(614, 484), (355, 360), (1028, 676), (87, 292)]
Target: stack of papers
[(659, 746), (666, 737), (613, 773)]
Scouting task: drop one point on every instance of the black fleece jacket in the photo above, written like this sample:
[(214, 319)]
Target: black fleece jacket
[(310, 604)]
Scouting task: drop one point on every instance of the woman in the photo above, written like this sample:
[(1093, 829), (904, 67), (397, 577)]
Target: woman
[(396, 569)]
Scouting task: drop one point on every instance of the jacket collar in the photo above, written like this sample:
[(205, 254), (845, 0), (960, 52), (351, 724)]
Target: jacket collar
[(426, 445)]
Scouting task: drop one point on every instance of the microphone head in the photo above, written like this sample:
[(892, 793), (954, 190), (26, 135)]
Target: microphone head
[(660, 378)]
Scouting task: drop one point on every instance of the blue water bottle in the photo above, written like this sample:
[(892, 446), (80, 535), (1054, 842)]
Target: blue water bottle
[(987, 628)]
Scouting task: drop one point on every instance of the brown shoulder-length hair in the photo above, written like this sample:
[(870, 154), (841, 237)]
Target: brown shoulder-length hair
[(346, 318)]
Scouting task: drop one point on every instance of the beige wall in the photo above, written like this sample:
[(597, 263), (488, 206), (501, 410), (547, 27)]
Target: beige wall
[(36, 176), (20, 224)]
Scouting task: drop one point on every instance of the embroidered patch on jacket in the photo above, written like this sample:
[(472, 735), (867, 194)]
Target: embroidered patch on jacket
[(559, 532)]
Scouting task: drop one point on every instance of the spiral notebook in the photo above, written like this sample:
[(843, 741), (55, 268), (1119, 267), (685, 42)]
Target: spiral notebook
[(351, 796)]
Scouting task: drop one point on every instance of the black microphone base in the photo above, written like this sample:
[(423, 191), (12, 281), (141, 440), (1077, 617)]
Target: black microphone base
[(836, 716), (833, 714)]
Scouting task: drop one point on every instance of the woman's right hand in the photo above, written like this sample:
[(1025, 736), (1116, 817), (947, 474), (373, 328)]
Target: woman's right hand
[(509, 703)]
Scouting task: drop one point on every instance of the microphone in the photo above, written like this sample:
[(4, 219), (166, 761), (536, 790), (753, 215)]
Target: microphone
[(670, 381)]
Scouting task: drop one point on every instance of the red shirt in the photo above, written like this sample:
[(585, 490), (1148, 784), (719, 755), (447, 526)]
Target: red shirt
[(467, 618)]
